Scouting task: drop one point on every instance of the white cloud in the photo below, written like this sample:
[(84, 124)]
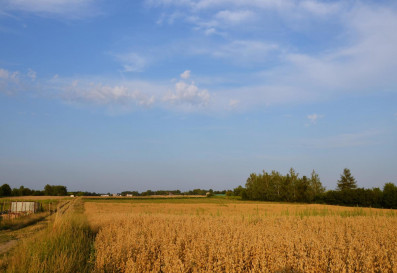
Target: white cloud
[(187, 93), (105, 94), (234, 17), (243, 51), (124, 95), (132, 62), (10, 82), (185, 75), (313, 118), (363, 60), (210, 31), (320, 8), (211, 4), (4, 74), (8, 75), (66, 8), (312, 6), (233, 103), (365, 64), (210, 16), (32, 74)]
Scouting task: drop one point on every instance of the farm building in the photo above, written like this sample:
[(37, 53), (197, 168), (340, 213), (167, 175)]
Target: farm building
[(27, 207)]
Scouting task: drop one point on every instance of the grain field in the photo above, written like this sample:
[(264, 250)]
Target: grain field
[(241, 237)]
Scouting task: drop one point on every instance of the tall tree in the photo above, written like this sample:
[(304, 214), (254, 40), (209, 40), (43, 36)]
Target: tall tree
[(316, 185), (48, 190), (5, 190), (390, 196), (347, 181), (294, 182), (303, 189)]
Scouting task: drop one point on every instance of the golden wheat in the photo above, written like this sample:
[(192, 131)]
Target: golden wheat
[(242, 237)]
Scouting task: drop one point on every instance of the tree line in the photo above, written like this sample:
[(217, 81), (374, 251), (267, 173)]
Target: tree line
[(290, 187), (264, 186), (50, 190), (173, 192)]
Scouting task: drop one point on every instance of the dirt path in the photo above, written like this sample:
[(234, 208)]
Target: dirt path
[(5, 247), (10, 238)]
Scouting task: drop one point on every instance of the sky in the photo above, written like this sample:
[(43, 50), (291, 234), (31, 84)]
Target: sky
[(109, 96)]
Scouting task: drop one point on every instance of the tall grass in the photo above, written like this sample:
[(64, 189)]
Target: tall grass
[(20, 222), (65, 246)]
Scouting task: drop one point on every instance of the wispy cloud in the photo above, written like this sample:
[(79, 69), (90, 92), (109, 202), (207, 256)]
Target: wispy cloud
[(105, 95), (233, 12), (244, 51), (237, 52), (11, 82), (233, 103), (320, 8), (32, 74), (9, 75), (362, 62), (343, 140), (127, 95), (132, 62), (234, 17), (313, 118), (72, 9)]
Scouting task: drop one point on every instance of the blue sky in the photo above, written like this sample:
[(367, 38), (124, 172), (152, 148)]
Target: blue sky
[(109, 96)]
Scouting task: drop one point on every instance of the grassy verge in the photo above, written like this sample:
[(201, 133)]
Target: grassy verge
[(21, 222), (65, 246)]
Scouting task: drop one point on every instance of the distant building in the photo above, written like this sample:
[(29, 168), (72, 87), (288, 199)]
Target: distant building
[(115, 194), (105, 195), (129, 195), (72, 195)]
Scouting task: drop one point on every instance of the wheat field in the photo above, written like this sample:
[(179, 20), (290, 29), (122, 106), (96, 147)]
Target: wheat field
[(241, 237)]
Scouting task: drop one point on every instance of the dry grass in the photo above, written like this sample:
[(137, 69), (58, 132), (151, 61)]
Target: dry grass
[(64, 247), (7, 222), (242, 237)]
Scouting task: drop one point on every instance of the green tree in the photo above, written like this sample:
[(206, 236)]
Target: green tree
[(347, 181), (390, 196), (237, 191), (316, 186), (25, 191), (53, 190), (229, 193), (294, 183), (286, 189), (48, 190), (5, 190), (277, 183), (302, 189)]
